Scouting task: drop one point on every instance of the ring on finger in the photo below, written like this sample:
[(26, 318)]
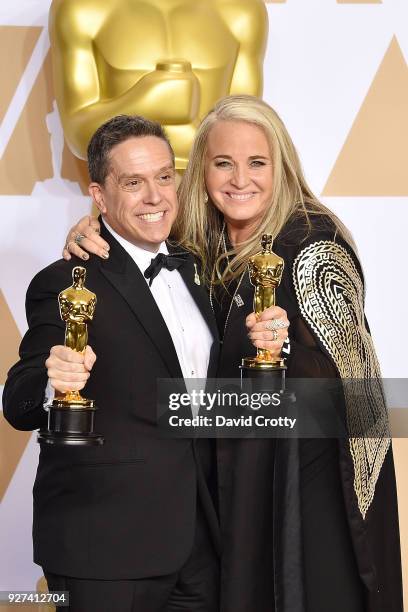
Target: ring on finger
[(274, 335), (274, 324), (68, 245), (78, 238)]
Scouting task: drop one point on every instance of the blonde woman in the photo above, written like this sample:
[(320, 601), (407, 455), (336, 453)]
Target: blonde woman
[(307, 525)]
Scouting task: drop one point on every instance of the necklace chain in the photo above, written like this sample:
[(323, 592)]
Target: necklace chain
[(224, 244)]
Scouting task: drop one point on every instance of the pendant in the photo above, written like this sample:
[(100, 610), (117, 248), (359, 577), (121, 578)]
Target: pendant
[(196, 276), (238, 300)]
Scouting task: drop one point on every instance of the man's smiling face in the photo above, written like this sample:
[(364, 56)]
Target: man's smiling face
[(138, 198)]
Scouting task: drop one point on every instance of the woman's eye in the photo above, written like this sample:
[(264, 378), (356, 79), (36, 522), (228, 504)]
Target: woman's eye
[(222, 164), (257, 163)]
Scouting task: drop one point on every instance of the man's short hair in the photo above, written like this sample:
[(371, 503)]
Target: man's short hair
[(113, 132)]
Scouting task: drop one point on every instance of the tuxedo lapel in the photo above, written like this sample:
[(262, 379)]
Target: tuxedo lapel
[(189, 274), (124, 275)]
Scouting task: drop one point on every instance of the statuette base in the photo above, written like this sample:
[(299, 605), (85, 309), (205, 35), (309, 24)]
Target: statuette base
[(254, 363), (268, 377), (71, 424)]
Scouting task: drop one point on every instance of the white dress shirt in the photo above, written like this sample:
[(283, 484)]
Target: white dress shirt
[(191, 336)]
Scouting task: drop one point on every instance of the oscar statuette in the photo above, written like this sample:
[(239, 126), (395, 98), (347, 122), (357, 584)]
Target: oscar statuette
[(265, 273), (71, 416)]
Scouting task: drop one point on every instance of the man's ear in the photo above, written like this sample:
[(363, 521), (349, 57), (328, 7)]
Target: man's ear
[(96, 193)]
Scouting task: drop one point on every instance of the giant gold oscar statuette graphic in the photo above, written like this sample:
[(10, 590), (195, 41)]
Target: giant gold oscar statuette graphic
[(168, 60), (265, 273), (71, 416)]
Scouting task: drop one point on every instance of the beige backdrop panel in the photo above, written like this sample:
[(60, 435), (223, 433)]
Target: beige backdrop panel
[(366, 165), (352, 143)]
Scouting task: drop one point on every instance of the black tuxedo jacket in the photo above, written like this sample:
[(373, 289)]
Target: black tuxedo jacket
[(126, 509)]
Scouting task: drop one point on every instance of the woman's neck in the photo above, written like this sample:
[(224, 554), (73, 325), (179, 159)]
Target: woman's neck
[(238, 233)]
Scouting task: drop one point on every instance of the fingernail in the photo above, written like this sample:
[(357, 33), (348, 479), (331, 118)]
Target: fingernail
[(105, 255), (85, 256)]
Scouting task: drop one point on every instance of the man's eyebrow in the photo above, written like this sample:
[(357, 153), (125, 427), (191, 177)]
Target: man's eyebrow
[(125, 175), (166, 169)]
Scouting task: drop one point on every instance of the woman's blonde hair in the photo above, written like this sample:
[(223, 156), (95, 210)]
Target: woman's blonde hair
[(199, 224)]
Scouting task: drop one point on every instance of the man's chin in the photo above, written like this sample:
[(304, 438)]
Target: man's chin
[(158, 236), (152, 241)]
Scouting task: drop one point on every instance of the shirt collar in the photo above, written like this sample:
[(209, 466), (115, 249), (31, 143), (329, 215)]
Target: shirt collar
[(141, 257)]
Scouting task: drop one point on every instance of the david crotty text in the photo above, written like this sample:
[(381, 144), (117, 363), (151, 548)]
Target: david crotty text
[(222, 421)]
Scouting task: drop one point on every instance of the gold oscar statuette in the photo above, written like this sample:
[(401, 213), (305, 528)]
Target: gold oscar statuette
[(168, 60), (265, 273), (71, 416)]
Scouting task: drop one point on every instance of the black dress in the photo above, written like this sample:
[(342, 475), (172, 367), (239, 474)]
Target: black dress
[(301, 526)]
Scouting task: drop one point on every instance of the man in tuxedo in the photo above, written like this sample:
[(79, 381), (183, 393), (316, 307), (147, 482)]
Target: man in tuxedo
[(129, 525)]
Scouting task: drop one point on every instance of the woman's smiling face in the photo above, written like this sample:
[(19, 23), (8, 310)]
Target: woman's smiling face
[(238, 171)]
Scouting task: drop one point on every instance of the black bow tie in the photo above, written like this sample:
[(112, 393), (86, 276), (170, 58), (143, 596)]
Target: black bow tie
[(171, 262)]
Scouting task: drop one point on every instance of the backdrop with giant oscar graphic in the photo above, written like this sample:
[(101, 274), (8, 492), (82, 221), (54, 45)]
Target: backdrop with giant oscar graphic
[(336, 71)]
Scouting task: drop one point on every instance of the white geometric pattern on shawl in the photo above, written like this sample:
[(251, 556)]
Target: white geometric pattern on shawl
[(330, 293)]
